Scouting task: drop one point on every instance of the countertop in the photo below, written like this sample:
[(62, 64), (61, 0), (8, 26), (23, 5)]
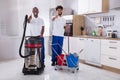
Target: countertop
[(96, 37)]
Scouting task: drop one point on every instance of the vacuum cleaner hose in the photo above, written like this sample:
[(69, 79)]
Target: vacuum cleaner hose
[(20, 49)]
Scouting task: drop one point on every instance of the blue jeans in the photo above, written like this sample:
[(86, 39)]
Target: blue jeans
[(42, 49), (55, 48)]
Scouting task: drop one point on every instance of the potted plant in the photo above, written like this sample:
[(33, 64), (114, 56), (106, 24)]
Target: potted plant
[(82, 30)]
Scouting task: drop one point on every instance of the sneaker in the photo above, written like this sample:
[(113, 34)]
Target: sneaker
[(53, 64), (44, 65)]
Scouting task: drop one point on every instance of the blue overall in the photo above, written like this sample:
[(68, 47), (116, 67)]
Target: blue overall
[(42, 49), (58, 40)]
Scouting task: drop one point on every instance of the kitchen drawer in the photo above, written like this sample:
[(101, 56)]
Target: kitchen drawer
[(110, 50), (110, 42), (110, 61)]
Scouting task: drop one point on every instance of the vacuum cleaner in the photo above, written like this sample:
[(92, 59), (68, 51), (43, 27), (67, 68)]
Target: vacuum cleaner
[(32, 53)]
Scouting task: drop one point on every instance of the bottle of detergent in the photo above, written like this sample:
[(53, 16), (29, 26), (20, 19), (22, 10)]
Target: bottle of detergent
[(94, 33)]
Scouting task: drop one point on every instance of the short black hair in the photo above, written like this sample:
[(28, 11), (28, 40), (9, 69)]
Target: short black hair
[(35, 8), (59, 7)]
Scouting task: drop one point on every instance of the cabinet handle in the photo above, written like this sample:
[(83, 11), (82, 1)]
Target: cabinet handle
[(113, 47), (92, 40), (81, 39), (112, 58), (112, 42)]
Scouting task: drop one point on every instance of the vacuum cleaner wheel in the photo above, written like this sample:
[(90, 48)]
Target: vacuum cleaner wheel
[(37, 71)]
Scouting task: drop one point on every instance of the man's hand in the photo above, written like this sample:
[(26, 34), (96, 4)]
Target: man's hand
[(54, 17), (41, 35), (29, 18)]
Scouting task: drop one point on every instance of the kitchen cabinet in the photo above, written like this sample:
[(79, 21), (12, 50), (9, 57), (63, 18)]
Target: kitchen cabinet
[(91, 49), (92, 6), (114, 4), (78, 22), (54, 3), (83, 6), (81, 45), (76, 45), (110, 53), (73, 45), (93, 53), (65, 45)]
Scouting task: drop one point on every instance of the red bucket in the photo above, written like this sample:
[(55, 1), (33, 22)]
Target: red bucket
[(60, 59)]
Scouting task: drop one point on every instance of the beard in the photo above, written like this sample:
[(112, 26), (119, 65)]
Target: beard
[(59, 14)]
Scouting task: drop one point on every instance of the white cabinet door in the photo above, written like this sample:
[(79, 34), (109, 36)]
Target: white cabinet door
[(92, 54), (110, 61), (73, 45), (110, 50), (110, 53), (114, 4), (81, 46), (77, 45), (65, 45), (54, 3), (95, 6), (89, 6), (83, 6)]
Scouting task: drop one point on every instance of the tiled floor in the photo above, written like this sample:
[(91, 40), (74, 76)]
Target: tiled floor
[(11, 70)]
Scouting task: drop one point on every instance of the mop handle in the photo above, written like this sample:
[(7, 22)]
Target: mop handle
[(68, 42), (68, 45), (60, 47)]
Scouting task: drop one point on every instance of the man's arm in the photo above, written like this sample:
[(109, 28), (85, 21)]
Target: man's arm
[(42, 32), (54, 17), (64, 27)]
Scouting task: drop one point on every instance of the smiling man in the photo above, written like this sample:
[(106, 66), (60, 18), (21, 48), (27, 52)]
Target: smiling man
[(37, 29)]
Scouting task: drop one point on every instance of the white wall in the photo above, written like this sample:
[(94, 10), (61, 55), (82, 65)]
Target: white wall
[(9, 40), (9, 17)]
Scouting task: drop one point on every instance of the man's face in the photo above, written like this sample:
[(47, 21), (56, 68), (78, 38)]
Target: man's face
[(35, 12), (59, 12)]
